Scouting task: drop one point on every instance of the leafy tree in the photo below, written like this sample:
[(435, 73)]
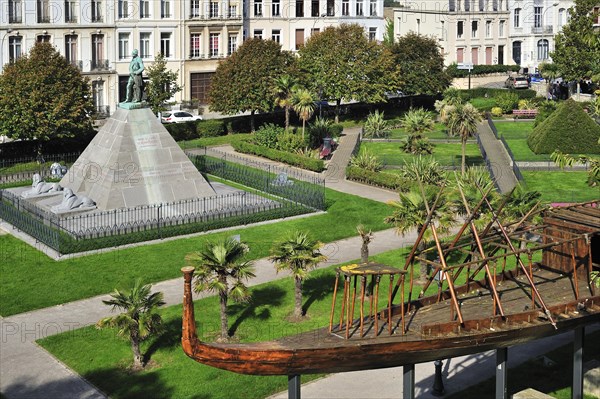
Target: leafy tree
[(462, 122), (341, 63), (376, 126), (215, 264), (388, 35), (303, 102), (297, 253), (282, 89), (421, 65), (244, 81), (577, 46), (410, 212), (162, 85), (43, 97), (139, 319)]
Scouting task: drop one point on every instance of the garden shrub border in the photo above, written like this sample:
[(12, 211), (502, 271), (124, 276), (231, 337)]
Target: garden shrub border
[(378, 179), (312, 164)]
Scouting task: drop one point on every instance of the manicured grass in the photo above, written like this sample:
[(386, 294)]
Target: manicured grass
[(446, 154), (483, 103), (561, 186), (102, 358), (515, 134), (30, 280), (555, 380), (439, 132)]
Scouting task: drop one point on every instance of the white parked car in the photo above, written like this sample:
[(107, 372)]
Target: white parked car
[(178, 117)]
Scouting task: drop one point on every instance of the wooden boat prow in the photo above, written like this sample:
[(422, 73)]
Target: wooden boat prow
[(505, 308)]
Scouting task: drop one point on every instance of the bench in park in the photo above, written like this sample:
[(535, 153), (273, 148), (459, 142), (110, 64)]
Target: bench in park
[(524, 113)]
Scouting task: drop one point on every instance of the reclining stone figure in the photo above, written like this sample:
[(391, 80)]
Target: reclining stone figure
[(39, 187), (71, 201)]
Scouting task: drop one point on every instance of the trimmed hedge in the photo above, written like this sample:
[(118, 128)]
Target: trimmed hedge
[(454, 72), (568, 129), (493, 93), (379, 179), (313, 164), (210, 128), (196, 129)]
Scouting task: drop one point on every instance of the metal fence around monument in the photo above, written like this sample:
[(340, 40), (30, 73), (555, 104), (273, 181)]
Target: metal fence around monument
[(273, 198), (302, 188)]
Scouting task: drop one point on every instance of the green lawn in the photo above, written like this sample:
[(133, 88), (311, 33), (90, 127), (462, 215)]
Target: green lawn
[(439, 132), (30, 280), (515, 134), (559, 186), (483, 103), (446, 154)]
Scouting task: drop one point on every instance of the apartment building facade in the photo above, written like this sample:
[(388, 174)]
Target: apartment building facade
[(98, 36), (487, 31)]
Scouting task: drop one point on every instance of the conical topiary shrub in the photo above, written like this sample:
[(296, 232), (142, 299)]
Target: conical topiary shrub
[(568, 129)]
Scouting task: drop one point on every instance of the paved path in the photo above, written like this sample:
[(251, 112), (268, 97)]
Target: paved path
[(498, 157)]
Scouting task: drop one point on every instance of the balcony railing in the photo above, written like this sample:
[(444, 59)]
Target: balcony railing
[(542, 29), (216, 16), (99, 65)]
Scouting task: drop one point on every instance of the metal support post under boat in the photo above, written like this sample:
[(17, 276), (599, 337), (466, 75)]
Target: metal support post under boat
[(408, 381), (501, 371), (578, 363), (438, 382), (294, 387)]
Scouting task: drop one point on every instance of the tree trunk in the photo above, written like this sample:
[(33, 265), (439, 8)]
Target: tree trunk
[(252, 121), (298, 307), (337, 110), (287, 117), (303, 123), (364, 252), (422, 266), (464, 159), (223, 302), (224, 323), (138, 361)]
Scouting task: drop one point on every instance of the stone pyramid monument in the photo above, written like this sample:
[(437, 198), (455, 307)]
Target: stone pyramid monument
[(134, 161)]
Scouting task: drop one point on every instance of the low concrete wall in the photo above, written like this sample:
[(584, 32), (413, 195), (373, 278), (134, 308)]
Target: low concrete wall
[(476, 81)]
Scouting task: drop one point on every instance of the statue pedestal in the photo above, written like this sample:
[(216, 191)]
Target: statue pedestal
[(126, 105)]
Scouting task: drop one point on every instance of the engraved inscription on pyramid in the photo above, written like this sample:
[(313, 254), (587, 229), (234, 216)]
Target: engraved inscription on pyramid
[(133, 161)]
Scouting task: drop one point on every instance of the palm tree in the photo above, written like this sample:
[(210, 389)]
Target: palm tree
[(366, 237), (473, 184), (410, 212), (217, 263), (303, 102), (463, 121), (417, 121), (282, 89), (297, 253), (139, 319)]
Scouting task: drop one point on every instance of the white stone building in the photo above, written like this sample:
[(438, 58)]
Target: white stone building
[(98, 36), (487, 31)]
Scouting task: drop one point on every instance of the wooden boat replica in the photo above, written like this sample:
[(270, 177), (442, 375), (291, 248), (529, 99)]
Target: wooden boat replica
[(482, 303)]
